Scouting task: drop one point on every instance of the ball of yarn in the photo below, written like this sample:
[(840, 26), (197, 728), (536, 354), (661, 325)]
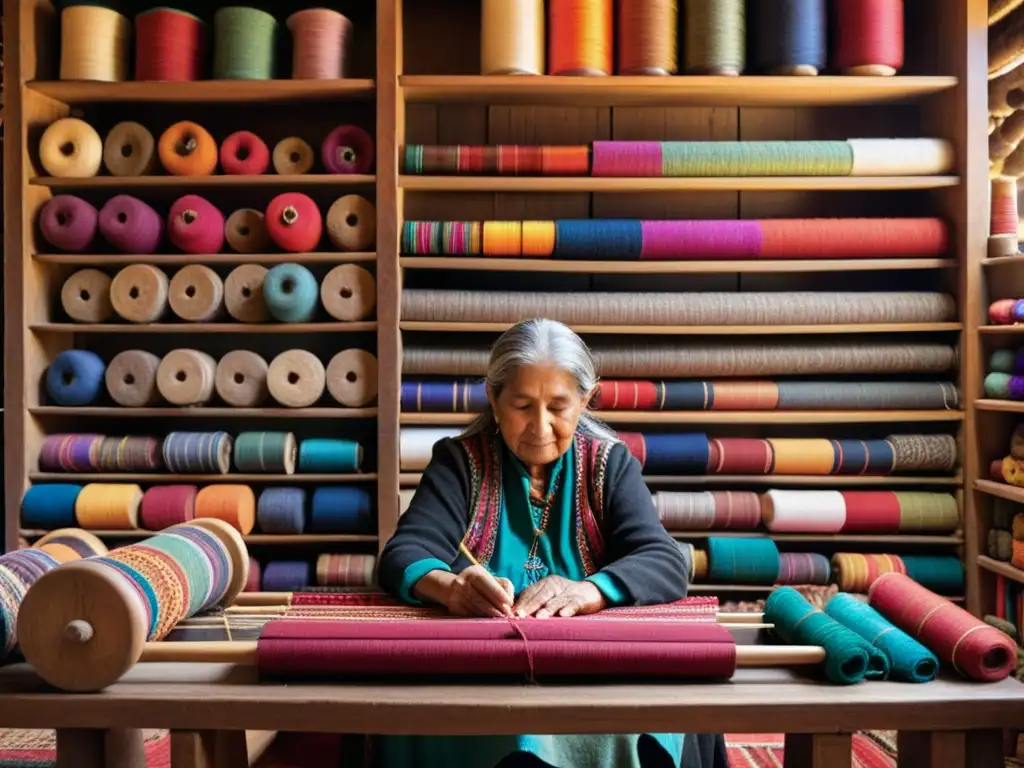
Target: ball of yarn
[(71, 149), (129, 150), (170, 45), (75, 377), (292, 157), (1001, 312), (291, 292), (347, 149), (282, 511), (243, 46), (246, 231), (49, 506), (294, 222), (131, 226), (1001, 361), (1000, 545), (243, 153), (997, 386), (352, 223), (195, 225), (68, 223), (188, 149)]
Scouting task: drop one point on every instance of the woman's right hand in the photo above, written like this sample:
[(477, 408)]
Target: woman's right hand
[(475, 592)]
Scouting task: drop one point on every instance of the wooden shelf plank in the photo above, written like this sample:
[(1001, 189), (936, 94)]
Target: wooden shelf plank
[(205, 91), (1004, 569), (1003, 261), (1000, 406), (1002, 490), (207, 182), (838, 538), (252, 538), (724, 417), (123, 259), (1001, 330), (697, 330), (189, 328), (164, 477), (411, 479), (204, 412), (483, 264), (671, 91)]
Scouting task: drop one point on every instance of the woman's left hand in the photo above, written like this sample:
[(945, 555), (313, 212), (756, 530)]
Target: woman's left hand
[(558, 596)]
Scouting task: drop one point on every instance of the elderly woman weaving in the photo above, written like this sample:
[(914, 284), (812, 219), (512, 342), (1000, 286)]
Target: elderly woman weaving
[(556, 514)]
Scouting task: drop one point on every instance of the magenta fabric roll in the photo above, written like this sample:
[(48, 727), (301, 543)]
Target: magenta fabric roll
[(701, 239), (130, 225), (195, 225), (347, 149), (627, 158), (68, 223)]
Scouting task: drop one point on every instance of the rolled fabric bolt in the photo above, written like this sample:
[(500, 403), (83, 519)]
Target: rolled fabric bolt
[(348, 149), (234, 504), (242, 379), (294, 222), (243, 44), (131, 378), (341, 509), (195, 225), (130, 150), (49, 506), (198, 453), (266, 452), (352, 378), (75, 377), (166, 505), (186, 377), (281, 511), (321, 41), (71, 149), (296, 378), (139, 293), (352, 223), (290, 291), (327, 456), (85, 296), (803, 511), (345, 570), (286, 575), (130, 225), (69, 453), (69, 223), (243, 153), (246, 231), (196, 293), (187, 149), (108, 506), (349, 293), (293, 157), (243, 294)]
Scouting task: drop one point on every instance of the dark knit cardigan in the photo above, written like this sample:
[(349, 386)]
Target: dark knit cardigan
[(618, 530)]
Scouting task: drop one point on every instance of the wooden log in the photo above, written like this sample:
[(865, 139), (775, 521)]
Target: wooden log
[(1006, 45)]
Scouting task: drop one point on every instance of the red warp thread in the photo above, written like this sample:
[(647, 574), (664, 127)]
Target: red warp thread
[(521, 633)]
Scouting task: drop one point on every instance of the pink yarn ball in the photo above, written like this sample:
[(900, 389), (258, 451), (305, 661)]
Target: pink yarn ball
[(347, 149), (195, 225), (244, 154)]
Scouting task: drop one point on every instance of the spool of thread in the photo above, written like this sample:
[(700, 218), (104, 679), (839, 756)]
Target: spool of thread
[(944, 575), (198, 453), (68, 223), (294, 222), (857, 572), (131, 226), (790, 36), (108, 506), (321, 39), (343, 510), (164, 506), (129, 150), (581, 39), (126, 454), (1002, 245), (1000, 545), (196, 293), (715, 37), (94, 44), (232, 504), (290, 292), (349, 293), (131, 378), (71, 149), (867, 37), (49, 506), (345, 570), (1004, 207), (243, 294), (19, 570), (246, 232), (187, 149), (328, 456), (243, 153), (252, 583), (266, 452), (242, 379), (347, 149), (67, 544), (742, 561), (352, 223), (803, 511), (243, 46), (186, 377), (67, 453), (352, 378), (292, 157), (85, 296), (170, 45), (647, 32), (75, 378), (296, 378), (286, 576), (512, 37), (281, 511), (803, 568), (139, 293), (194, 225)]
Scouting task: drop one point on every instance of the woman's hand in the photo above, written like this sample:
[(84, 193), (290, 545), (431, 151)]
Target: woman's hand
[(557, 596), (475, 592)]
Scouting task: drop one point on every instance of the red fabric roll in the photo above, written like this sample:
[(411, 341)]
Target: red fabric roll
[(636, 444), (627, 395), (871, 512), (166, 505), (852, 238), (739, 456), (244, 154)]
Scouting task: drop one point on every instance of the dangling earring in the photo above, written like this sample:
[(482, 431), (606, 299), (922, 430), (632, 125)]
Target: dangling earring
[(497, 427)]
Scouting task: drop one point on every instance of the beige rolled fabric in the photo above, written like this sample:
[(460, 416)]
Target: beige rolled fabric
[(187, 377), (131, 378), (94, 44), (196, 293), (71, 149), (405, 497), (85, 296), (352, 223), (242, 379), (352, 378), (296, 378), (292, 156), (246, 231), (349, 293), (130, 150), (243, 294), (139, 293)]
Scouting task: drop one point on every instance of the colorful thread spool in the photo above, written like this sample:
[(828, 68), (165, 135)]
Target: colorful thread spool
[(67, 544), (243, 294), (198, 453), (71, 149), (246, 231), (352, 378), (286, 576), (790, 36), (196, 293), (803, 568), (282, 511), (187, 149), (292, 157), (244, 44), (349, 293), (94, 44), (321, 39), (67, 453), (352, 223), (512, 37), (343, 510), (647, 37), (1005, 219), (291, 293), (194, 225), (108, 506), (243, 153), (348, 149), (131, 378), (346, 570), (329, 456), (294, 222), (18, 572), (130, 225), (85, 296), (242, 379), (129, 150), (742, 561), (581, 39), (715, 37), (75, 377), (164, 506), (49, 506), (855, 572), (186, 377), (139, 293), (232, 504), (170, 45), (867, 37), (296, 378), (68, 223), (266, 452), (126, 454)]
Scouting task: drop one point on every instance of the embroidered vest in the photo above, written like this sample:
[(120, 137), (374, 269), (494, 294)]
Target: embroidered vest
[(484, 454)]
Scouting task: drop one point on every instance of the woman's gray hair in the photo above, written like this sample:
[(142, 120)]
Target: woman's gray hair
[(541, 342)]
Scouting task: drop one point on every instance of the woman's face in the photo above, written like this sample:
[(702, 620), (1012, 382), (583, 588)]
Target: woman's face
[(537, 412)]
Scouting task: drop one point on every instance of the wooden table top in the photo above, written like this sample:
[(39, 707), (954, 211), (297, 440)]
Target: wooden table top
[(225, 697)]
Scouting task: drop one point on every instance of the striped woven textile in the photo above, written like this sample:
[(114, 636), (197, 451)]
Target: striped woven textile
[(96, 453), (708, 510), (501, 160), (463, 396), (804, 568)]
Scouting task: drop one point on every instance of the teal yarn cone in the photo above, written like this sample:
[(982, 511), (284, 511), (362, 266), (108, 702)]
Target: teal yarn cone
[(909, 661), (291, 293), (798, 622), (244, 44)]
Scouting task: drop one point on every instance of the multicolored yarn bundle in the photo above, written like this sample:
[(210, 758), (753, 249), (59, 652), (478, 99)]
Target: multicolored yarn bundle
[(1006, 312), (498, 160)]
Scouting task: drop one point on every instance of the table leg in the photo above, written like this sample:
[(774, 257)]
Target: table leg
[(938, 749), (193, 749), (818, 750), (79, 748), (985, 748), (232, 749), (125, 747)]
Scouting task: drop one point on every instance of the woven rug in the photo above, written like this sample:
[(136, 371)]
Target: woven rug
[(749, 750)]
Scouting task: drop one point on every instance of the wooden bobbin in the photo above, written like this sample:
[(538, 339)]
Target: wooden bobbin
[(870, 70), (1002, 245)]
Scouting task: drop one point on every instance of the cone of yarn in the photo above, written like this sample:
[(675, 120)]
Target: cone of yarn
[(139, 293), (290, 291), (580, 37), (266, 452), (166, 505), (75, 377), (130, 225), (85, 296), (242, 379), (246, 231), (321, 40), (281, 511), (131, 378), (294, 222), (867, 36), (512, 37), (196, 294), (243, 153), (714, 37), (94, 44), (647, 37), (130, 150), (170, 45), (69, 223), (198, 453), (108, 506), (194, 225), (243, 294), (244, 43), (293, 157), (347, 149), (296, 378), (352, 223), (1005, 218), (352, 378), (71, 149), (186, 377), (233, 504), (187, 149), (329, 456), (349, 293), (49, 506)]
